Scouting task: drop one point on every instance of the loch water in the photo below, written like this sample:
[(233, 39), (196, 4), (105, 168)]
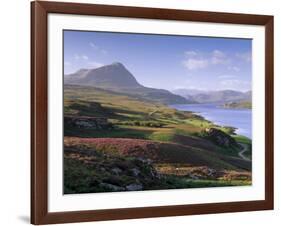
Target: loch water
[(238, 118)]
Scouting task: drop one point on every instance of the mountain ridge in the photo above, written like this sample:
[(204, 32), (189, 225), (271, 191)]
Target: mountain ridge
[(106, 76), (220, 96), (116, 77)]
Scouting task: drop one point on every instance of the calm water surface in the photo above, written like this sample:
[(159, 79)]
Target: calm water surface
[(238, 118)]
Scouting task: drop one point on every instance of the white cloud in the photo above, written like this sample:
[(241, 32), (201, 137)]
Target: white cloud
[(103, 51), (194, 64), (95, 64), (233, 68), (81, 57), (218, 57), (246, 56), (190, 53), (67, 63), (93, 45), (97, 48), (218, 53), (197, 60), (84, 57), (227, 76), (236, 84), (217, 60)]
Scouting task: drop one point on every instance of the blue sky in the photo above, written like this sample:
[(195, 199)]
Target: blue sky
[(162, 61)]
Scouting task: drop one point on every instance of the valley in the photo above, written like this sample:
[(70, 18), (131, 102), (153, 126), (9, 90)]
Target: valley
[(114, 141)]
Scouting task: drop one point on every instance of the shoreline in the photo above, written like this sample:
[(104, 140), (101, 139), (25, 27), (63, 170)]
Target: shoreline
[(235, 130)]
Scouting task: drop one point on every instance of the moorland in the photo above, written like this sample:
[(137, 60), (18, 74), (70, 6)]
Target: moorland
[(122, 136)]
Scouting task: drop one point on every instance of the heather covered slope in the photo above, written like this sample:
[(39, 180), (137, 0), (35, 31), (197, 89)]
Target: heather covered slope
[(159, 152), (122, 164)]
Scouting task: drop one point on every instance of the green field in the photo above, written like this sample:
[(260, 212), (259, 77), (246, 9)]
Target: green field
[(146, 143)]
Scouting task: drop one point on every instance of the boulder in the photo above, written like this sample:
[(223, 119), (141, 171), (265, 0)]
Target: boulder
[(86, 122), (111, 187), (220, 138), (116, 171), (135, 172)]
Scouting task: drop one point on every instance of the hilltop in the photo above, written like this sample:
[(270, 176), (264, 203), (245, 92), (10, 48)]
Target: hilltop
[(116, 77)]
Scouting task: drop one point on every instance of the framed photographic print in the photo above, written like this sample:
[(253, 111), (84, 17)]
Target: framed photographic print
[(147, 112)]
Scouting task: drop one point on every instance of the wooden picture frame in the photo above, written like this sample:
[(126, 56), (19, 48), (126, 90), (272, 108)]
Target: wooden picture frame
[(39, 109)]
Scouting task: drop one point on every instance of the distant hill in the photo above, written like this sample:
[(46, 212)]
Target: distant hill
[(221, 96), (188, 92), (248, 96), (115, 77), (239, 104)]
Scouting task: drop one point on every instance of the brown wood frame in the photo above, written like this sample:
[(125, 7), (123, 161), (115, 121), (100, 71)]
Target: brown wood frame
[(39, 107)]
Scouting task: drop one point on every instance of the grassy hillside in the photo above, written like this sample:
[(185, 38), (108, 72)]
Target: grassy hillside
[(131, 112), (171, 144)]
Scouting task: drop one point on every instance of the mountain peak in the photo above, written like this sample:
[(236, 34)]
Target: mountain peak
[(111, 76), (82, 70), (117, 64), (116, 77)]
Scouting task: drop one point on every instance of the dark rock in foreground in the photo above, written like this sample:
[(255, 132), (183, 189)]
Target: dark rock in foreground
[(86, 122)]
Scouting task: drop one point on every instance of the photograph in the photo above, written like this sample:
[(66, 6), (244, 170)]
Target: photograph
[(155, 112), (149, 111)]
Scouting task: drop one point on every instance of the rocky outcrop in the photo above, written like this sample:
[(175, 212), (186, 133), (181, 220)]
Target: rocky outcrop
[(111, 187), (220, 138), (99, 172), (87, 122)]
